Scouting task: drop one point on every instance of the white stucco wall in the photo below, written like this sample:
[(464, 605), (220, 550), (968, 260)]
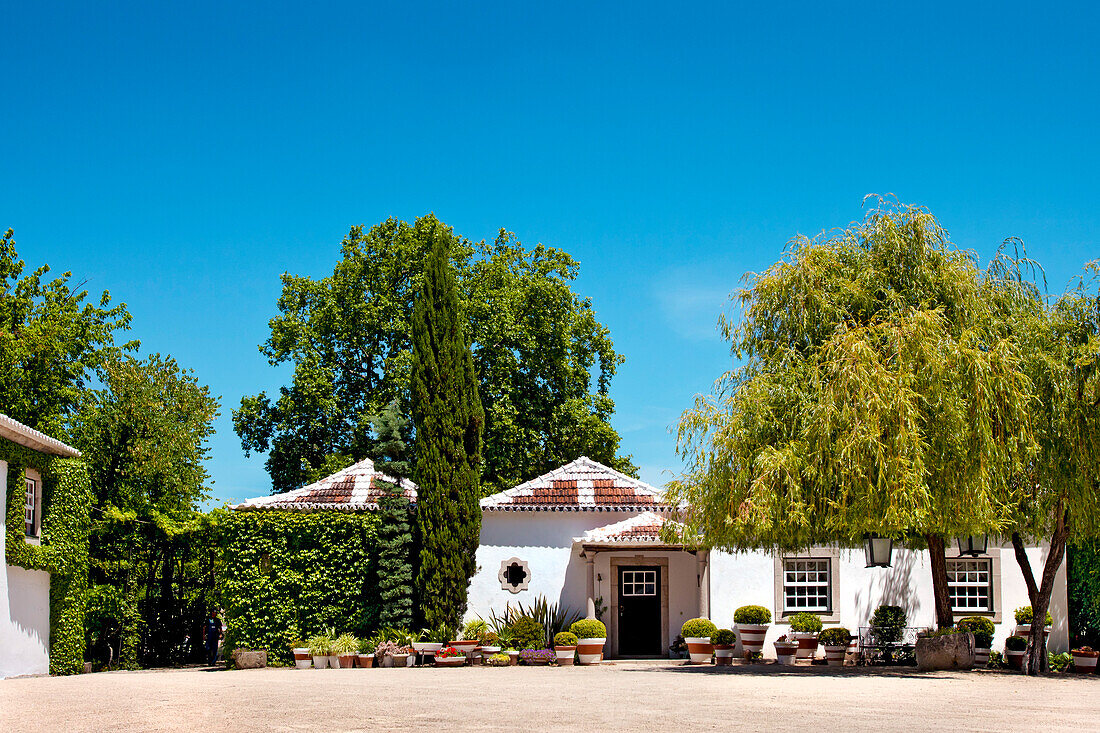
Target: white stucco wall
[(24, 608), (545, 541)]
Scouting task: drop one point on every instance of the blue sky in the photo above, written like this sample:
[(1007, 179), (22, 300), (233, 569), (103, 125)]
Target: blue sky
[(184, 156)]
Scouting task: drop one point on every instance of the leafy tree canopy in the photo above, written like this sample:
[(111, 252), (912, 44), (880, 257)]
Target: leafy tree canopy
[(543, 361), (52, 342), (874, 395)]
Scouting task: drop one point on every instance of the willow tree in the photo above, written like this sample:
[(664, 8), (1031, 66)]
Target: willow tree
[(1058, 497), (872, 396)]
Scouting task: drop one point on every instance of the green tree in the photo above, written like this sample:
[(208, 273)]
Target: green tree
[(395, 540), (1058, 497), (51, 342), (873, 397), (144, 437), (449, 420), (544, 362)]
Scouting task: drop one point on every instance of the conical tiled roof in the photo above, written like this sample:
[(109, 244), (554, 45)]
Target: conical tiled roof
[(581, 486), (356, 488)]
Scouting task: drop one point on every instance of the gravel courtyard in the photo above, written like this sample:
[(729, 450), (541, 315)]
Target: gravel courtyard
[(623, 696)]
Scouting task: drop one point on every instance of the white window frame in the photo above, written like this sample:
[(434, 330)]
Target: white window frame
[(974, 569), (32, 483), (796, 571), (830, 554), (639, 583), (993, 557)]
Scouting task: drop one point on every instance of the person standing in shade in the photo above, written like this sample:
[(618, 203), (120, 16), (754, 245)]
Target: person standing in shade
[(212, 634)]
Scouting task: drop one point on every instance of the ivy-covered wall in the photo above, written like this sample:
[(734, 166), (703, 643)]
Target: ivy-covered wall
[(1084, 592), (66, 505), (287, 575)]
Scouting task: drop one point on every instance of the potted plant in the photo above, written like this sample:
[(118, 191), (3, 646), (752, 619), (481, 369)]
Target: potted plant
[(785, 649), (302, 657), (724, 641), (536, 657), (490, 645), (403, 655), (385, 651), (1015, 646), (448, 656), (346, 647), (804, 629), (1084, 659), (591, 636), (752, 626), (982, 628), (565, 648), (498, 660), (366, 652), (697, 633), (835, 640), (319, 648), (431, 641), (1025, 615)]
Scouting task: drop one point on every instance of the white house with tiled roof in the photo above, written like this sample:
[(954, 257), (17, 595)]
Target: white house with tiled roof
[(355, 488)]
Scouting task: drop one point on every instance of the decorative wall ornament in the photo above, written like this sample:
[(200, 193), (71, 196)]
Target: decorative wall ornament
[(514, 575)]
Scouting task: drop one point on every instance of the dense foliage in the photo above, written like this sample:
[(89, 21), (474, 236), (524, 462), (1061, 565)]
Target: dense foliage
[(701, 628), (395, 537), (835, 636), (752, 615), (1084, 592), (543, 360), (981, 627), (291, 575), (589, 628), (807, 623), (63, 552), (449, 420)]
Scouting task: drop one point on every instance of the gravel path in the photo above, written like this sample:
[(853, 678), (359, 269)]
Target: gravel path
[(624, 696)]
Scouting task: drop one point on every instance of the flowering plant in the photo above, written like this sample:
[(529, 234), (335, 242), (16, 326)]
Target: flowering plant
[(391, 648), (449, 651), (536, 655)]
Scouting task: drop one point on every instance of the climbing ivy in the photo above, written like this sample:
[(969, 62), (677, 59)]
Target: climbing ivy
[(288, 575), (66, 498)]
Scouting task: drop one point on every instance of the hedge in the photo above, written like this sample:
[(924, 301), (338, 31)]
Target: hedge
[(63, 552), (1084, 592), (290, 575)]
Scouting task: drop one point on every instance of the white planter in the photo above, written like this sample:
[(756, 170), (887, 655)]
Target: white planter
[(752, 637), (427, 647), (333, 661), (401, 660), (834, 655), (565, 655), (699, 649), (387, 660), (320, 662), (302, 658), (590, 651)]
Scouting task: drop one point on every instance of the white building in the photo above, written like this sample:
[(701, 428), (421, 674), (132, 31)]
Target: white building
[(586, 535), (25, 594)]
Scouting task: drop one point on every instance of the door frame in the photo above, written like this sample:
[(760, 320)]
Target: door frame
[(627, 560)]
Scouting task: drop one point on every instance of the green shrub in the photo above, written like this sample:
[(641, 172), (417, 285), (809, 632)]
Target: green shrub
[(565, 638), (981, 627), (699, 628), (474, 629), (723, 637), (345, 644), (1026, 614), (527, 633), (835, 636), (367, 646), (888, 622), (497, 660), (808, 623), (752, 615), (1059, 662), (589, 628), (1015, 643)]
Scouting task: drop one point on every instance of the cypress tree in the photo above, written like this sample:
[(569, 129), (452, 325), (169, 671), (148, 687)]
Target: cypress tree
[(448, 419), (395, 540)]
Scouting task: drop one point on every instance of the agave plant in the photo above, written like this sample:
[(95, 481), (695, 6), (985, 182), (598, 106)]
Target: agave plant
[(553, 618)]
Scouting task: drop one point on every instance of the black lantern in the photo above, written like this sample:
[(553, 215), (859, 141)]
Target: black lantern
[(879, 549), (973, 544)]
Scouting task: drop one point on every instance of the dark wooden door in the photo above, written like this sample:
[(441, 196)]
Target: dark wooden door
[(640, 611)]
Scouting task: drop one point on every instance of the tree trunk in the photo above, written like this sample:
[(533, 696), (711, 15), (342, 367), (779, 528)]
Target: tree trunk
[(944, 617), (1036, 659)]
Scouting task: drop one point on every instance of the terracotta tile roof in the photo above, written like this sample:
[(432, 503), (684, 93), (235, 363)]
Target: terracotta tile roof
[(643, 528), (583, 485), (356, 488)]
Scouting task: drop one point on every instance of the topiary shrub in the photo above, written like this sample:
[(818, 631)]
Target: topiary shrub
[(699, 628), (1015, 643), (805, 623), (527, 633), (835, 636), (1026, 614), (752, 615), (589, 628), (981, 627), (723, 637), (888, 622), (565, 638)]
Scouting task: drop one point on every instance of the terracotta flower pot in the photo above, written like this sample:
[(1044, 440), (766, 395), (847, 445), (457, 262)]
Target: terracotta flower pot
[(752, 637), (513, 657), (590, 651), (834, 655), (785, 651), (347, 661), (807, 644), (1084, 662), (401, 660), (699, 649), (469, 646), (302, 659), (1015, 659), (365, 660), (723, 654), (450, 661), (564, 655)]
